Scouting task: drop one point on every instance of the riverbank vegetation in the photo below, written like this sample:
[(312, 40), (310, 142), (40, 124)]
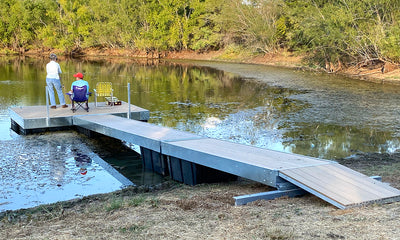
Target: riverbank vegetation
[(330, 34)]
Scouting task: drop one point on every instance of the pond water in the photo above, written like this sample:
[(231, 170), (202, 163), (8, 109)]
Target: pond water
[(318, 115), (40, 169)]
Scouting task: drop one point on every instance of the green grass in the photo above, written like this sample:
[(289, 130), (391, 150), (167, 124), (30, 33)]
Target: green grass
[(132, 229), (114, 205), (137, 201)]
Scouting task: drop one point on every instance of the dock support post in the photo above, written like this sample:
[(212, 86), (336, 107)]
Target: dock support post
[(154, 161), (129, 100), (192, 174), (47, 106)]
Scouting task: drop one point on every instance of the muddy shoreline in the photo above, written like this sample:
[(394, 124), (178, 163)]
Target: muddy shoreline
[(285, 59)]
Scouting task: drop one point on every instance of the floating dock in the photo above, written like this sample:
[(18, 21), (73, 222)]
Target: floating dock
[(32, 119), (194, 159)]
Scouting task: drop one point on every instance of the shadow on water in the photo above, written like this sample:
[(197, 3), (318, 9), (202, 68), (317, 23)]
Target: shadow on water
[(130, 165), (124, 157)]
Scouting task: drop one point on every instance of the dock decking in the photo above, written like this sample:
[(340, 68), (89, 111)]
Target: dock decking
[(327, 180), (34, 118)]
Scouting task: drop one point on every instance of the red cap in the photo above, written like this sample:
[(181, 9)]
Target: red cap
[(83, 171), (78, 75)]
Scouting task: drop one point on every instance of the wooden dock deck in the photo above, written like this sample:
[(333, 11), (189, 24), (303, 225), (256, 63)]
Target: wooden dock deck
[(175, 149)]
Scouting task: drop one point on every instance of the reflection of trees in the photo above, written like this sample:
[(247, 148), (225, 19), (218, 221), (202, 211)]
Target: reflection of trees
[(184, 96), (333, 141), (18, 79), (187, 95)]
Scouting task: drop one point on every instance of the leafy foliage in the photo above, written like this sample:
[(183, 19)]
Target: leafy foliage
[(258, 24), (343, 31), (350, 31)]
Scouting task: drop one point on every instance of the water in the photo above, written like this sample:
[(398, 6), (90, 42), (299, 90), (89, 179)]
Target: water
[(317, 115), (48, 168)]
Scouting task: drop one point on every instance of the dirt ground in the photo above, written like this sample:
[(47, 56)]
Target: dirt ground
[(207, 211)]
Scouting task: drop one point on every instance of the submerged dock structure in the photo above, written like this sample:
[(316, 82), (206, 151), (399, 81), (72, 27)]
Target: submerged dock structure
[(193, 159)]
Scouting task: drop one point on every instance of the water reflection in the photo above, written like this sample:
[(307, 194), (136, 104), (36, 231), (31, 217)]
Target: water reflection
[(42, 169), (312, 114), (130, 165), (82, 161), (334, 141)]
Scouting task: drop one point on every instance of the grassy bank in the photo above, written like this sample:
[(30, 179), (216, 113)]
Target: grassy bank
[(207, 211)]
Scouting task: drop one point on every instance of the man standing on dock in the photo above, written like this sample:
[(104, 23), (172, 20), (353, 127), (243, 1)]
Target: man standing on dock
[(53, 80)]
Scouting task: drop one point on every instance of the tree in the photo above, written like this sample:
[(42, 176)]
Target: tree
[(18, 23), (254, 24), (348, 31)]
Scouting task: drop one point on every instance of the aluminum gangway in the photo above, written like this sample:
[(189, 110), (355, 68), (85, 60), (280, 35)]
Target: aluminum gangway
[(291, 174)]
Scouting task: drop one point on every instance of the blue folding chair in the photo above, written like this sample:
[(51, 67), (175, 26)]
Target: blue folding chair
[(79, 96)]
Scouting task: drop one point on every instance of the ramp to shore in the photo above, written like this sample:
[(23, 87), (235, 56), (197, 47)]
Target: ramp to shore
[(328, 180)]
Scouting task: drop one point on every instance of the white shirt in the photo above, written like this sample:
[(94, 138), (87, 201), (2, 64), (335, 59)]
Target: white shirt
[(53, 69)]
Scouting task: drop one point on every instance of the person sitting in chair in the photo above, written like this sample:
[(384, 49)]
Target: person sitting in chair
[(79, 82)]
